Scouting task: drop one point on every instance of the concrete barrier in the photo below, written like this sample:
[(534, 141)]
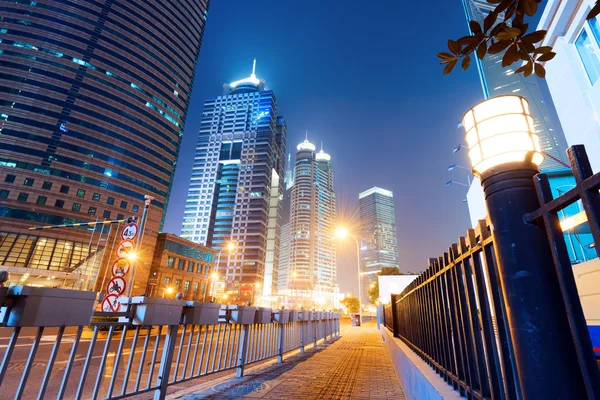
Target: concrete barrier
[(419, 380)]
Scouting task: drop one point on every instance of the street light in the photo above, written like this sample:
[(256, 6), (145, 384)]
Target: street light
[(342, 233), (456, 183), (505, 154), (230, 247)]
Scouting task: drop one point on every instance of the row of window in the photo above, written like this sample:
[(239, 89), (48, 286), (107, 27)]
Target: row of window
[(47, 185), (190, 266)]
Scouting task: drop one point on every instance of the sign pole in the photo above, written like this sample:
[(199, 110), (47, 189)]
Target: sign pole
[(139, 239)]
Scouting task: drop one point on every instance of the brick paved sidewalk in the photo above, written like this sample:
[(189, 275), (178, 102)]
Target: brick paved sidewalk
[(356, 366)]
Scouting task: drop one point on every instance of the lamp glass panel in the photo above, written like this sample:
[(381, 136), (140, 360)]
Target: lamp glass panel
[(475, 154), (471, 137), (506, 143), (501, 125), (468, 121), (497, 106)]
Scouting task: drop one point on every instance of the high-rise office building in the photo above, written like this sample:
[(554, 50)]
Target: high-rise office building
[(311, 275), (286, 236), (94, 99), (236, 185), (497, 80), (378, 234)]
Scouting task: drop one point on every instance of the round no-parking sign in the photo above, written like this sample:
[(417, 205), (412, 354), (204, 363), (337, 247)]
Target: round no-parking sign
[(110, 303)]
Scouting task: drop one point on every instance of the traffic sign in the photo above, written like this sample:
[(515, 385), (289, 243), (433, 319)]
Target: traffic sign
[(117, 286), (110, 303), (120, 267), (125, 248), (130, 231)]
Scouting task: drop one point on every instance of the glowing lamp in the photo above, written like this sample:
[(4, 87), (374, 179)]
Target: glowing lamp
[(499, 131), (169, 290), (341, 233), (231, 246)]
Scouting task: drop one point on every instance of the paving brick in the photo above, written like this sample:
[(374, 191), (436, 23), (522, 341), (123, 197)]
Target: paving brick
[(355, 367)]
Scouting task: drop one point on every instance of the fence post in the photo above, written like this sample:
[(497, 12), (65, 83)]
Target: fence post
[(239, 371), (538, 325), (165, 362), (301, 322), (316, 327), (281, 343), (395, 329)]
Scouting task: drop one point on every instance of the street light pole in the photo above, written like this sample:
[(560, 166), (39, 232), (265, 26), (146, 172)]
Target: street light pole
[(230, 246), (359, 278)]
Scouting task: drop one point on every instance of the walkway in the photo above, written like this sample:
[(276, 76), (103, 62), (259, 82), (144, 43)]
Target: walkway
[(356, 366)]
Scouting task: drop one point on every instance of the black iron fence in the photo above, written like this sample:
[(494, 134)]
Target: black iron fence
[(457, 317)]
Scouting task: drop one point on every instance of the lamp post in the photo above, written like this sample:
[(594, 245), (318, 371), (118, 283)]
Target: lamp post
[(230, 246), (505, 153), (342, 233)]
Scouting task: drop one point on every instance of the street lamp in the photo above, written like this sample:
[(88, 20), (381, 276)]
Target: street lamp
[(342, 233), (230, 247), (505, 154)]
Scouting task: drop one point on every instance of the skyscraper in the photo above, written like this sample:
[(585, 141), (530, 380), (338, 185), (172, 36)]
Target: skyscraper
[(378, 234), (236, 184), (94, 100), (311, 275), (497, 80)]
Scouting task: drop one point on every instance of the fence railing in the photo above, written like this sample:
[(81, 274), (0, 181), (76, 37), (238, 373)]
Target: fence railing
[(144, 347), (454, 314)]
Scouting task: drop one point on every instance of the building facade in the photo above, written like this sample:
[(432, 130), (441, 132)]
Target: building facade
[(94, 99), (179, 265), (497, 80), (311, 273), (236, 185), (379, 247)]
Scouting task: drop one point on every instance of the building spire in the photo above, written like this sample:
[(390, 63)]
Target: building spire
[(307, 136), (254, 67), (321, 146)]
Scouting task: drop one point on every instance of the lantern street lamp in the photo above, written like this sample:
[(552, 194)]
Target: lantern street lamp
[(230, 247), (505, 154), (342, 233)]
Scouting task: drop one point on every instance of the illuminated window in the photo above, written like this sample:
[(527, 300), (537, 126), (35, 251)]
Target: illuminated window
[(80, 193), (96, 197), (28, 182), (92, 210), (76, 207), (170, 261)]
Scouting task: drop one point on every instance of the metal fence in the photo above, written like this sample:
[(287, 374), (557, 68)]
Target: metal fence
[(453, 315), (113, 359)]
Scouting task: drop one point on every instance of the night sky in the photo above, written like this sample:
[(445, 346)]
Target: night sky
[(363, 78)]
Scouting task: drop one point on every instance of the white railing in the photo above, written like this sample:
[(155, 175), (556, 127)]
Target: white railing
[(56, 346)]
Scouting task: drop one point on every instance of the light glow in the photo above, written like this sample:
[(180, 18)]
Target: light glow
[(573, 221), (169, 290), (341, 233), (500, 130)]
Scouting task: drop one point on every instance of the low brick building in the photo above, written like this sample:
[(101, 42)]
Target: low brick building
[(180, 265)]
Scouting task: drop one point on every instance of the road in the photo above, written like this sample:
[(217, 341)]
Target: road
[(27, 336)]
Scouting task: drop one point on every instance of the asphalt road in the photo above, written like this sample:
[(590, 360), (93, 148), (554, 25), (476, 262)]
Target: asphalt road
[(27, 336)]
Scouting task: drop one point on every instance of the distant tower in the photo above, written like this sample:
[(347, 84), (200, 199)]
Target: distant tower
[(378, 227), (497, 80), (236, 185), (312, 268)]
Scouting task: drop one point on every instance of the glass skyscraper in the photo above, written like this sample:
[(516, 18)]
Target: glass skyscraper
[(497, 80), (378, 234), (236, 185), (94, 100)]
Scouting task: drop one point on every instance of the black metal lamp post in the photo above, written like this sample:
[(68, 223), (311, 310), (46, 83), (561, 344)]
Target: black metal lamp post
[(505, 154)]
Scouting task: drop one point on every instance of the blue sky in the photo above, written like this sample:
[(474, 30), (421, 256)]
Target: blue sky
[(363, 78)]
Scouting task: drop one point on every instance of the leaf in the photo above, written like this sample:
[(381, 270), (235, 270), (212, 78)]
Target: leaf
[(531, 7), (511, 56), (453, 46), (540, 70), (503, 6), (445, 55), (450, 67), (470, 39), (594, 11), (508, 34), (448, 61), (528, 69), (489, 21), (534, 37), (466, 62), (546, 56), (482, 50), (542, 50), (521, 69), (499, 46), (475, 27)]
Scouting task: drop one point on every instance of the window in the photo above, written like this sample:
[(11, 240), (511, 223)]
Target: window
[(123, 204), (186, 286), (28, 182), (170, 261), (10, 178), (110, 201), (76, 207), (106, 214), (120, 216), (199, 268), (135, 208), (80, 193), (191, 266), (206, 269), (41, 200), (195, 287), (181, 264), (64, 189), (92, 210), (23, 196), (589, 56), (4, 194), (177, 283), (96, 197), (47, 185), (167, 281), (59, 204)]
